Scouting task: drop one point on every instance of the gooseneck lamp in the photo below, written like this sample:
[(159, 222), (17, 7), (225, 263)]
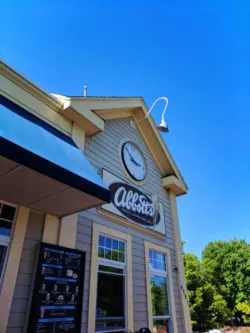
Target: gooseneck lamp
[(163, 127)]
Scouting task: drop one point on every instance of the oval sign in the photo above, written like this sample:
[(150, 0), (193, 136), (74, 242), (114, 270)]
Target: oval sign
[(134, 204)]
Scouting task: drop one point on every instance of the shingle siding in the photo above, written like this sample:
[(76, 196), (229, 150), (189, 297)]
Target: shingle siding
[(27, 266), (103, 152)]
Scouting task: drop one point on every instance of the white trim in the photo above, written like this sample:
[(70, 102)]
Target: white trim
[(4, 243), (161, 317), (158, 272), (6, 220), (163, 274), (97, 230), (12, 264), (110, 330), (114, 264), (168, 274), (8, 203), (111, 263), (6, 240)]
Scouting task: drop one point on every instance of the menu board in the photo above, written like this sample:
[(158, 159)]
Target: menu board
[(57, 296)]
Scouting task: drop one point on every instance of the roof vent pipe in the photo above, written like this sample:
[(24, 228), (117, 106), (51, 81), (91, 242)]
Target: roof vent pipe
[(85, 90)]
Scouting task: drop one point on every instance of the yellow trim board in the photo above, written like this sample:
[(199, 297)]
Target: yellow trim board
[(51, 229), (115, 113), (30, 87), (78, 136), (101, 229), (118, 107), (173, 183), (130, 224), (12, 266), (166, 251), (162, 144), (68, 231), (88, 112), (179, 262), (82, 115), (18, 94)]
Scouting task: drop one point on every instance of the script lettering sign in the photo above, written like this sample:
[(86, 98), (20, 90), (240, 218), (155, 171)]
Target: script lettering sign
[(134, 204)]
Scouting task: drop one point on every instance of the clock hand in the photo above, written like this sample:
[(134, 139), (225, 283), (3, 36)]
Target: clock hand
[(132, 159), (128, 152), (137, 164)]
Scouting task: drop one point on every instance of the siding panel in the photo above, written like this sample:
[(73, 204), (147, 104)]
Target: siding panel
[(103, 152), (24, 278)]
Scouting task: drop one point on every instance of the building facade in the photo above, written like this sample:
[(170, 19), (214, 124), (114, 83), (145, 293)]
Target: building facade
[(116, 203)]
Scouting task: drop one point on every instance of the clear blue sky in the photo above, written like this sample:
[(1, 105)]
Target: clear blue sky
[(197, 53)]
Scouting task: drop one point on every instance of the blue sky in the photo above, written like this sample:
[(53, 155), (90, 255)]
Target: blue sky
[(194, 52)]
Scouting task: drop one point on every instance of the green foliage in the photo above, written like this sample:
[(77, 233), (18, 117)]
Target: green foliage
[(219, 285), (244, 308), (159, 296), (208, 309), (228, 264)]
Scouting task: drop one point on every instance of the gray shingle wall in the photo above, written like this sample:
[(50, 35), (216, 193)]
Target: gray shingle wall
[(103, 151), (24, 278)]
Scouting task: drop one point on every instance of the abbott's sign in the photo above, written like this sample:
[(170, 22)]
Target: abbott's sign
[(132, 204)]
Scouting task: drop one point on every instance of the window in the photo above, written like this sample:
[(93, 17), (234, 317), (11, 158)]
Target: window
[(111, 249), (159, 292), (110, 304), (7, 215), (106, 312)]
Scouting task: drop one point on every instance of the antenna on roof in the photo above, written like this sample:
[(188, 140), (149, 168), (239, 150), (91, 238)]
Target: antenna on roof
[(85, 90)]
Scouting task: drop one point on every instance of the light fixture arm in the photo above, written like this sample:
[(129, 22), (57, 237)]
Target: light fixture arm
[(163, 126), (155, 102)]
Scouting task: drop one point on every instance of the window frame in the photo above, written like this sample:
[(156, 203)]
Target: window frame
[(6, 240), (168, 274), (99, 229), (114, 264), (111, 261)]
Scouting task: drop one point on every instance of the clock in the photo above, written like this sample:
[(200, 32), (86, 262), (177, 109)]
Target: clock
[(134, 161)]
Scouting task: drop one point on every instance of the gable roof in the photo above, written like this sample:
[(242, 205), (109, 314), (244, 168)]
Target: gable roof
[(106, 108), (90, 113)]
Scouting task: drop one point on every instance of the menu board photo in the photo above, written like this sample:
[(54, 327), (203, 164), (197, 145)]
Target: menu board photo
[(58, 290)]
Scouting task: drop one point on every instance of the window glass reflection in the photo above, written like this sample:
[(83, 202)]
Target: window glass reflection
[(160, 326), (159, 295), (3, 250), (157, 260), (111, 249)]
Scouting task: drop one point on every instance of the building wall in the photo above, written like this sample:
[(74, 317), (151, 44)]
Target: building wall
[(103, 151), (22, 292)]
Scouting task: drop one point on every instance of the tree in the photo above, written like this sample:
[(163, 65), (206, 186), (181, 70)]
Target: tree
[(228, 265), (208, 309), (244, 308), (219, 285)]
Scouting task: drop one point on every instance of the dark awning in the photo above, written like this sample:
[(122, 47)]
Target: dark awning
[(42, 168)]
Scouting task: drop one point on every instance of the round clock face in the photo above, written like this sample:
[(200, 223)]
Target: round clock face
[(134, 161)]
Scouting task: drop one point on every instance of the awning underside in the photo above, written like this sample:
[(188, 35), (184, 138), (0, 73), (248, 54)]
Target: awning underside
[(23, 186), (42, 168)]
